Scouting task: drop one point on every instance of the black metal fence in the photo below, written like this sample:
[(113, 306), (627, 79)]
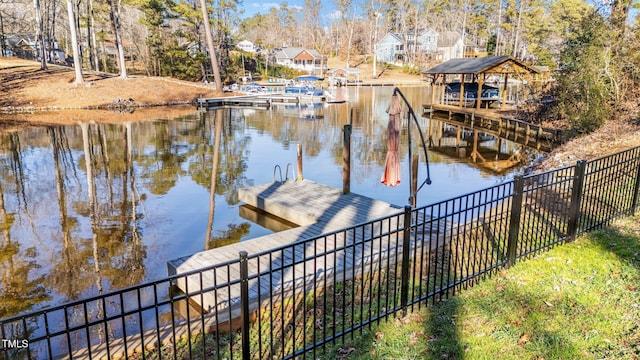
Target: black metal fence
[(303, 299)]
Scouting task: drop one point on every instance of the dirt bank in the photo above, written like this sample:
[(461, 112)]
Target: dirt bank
[(27, 88)]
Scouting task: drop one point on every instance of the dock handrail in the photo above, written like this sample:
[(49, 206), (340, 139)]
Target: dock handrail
[(286, 172), (277, 167)]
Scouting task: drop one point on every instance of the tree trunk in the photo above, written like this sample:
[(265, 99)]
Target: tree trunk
[(52, 32), (77, 62), (114, 16), (40, 30), (212, 49), (517, 35), (90, 43), (351, 26)]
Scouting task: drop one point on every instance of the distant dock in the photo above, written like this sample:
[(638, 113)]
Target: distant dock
[(264, 101)]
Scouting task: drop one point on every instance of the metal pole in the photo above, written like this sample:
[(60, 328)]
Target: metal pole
[(244, 305), (412, 190), (406, 245), (576, 196), (514, 221), (410, 113), (634, 202)]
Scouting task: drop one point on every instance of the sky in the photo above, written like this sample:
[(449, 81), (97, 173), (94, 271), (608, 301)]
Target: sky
[(252, 7)]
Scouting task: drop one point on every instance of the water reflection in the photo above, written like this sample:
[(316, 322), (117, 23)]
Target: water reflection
[(91, 206)]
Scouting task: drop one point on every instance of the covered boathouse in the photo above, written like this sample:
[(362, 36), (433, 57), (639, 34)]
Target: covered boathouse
[(477, 71)]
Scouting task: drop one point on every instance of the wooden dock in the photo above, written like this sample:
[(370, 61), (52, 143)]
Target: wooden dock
[(318, 209), (264, 101), (490, 120)]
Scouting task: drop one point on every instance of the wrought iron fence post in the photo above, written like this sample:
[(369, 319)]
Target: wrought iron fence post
[(576, 197), (406, 244), (514, 220), (244, 305), (634, 203)]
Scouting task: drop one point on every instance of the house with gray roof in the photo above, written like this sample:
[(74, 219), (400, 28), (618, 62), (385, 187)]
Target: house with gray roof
[(390, 49), (26, 46), (395, 47), (301, 59)]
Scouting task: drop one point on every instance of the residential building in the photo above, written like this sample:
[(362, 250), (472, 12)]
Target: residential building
[(301, 59), (450, 46), (390, 49), (27, 47), (426, 41), (246, 45), (395, 48)]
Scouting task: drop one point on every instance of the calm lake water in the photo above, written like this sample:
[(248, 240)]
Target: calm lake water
[(92, 207)]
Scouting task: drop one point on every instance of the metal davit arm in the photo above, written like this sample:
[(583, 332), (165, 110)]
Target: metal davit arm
[(413, 189)]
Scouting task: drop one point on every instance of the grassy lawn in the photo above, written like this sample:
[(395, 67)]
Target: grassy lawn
[(577, 301)]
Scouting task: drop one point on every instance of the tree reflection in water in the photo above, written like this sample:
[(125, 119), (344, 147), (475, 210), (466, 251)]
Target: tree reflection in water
[(94, 206)]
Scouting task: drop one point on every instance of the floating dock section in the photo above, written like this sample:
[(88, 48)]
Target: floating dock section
[(317, 209)]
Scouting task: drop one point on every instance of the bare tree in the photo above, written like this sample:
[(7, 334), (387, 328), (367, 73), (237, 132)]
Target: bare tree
[(77, 62), (114, 16), (91, 34), (40, 31)]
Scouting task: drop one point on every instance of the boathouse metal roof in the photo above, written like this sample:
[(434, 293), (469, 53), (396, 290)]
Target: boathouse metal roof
[(479, 65)]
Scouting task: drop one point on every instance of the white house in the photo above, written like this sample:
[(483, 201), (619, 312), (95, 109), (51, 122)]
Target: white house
[(390, 49), (450, 46), (301, 59), (425, 42), (246, 45)]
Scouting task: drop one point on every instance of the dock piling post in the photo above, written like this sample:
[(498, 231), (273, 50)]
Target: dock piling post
[(414, 180), (346, 160), (299, 162)]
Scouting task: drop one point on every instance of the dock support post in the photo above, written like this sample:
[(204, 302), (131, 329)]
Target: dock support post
[(299, 162), (458, 138), (346, 160), (406, 247), (244, 305), (414, 180)]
